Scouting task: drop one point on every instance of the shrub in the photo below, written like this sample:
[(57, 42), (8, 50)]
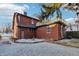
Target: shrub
[(73, 34)]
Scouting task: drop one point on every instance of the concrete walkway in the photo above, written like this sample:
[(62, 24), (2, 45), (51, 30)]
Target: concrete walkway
[(29, 40), (37, 49)]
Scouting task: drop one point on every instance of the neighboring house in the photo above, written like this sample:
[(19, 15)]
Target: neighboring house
[(25, 27), (73, 25), (73, 29)]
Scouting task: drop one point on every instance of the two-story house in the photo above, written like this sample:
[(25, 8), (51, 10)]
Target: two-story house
[(25, 27)]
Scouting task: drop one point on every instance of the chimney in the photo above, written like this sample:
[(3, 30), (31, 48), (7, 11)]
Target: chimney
[(25, 13)]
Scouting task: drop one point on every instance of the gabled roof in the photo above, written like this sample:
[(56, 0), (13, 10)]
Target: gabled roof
[(61, 22), (18, 24), (26, 16), (57, 22), (34, 26)]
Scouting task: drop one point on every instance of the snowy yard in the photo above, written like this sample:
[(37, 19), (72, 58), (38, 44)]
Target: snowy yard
[(40, 48)]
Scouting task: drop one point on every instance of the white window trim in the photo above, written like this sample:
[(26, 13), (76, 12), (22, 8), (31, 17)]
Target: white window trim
[(48, 29)]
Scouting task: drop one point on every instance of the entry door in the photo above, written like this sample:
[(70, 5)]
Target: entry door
[(22, 35)]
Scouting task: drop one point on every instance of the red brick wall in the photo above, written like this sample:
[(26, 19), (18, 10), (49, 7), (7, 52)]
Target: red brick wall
[(27, 33), (15, 29), (41, 32), (54, 34), (26, 20)]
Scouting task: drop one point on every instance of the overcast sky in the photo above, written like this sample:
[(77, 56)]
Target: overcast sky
[(7, 11)]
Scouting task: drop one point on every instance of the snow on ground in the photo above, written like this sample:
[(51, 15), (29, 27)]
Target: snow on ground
[(6, 38), (6, 34), (29, 40), (36, 49)]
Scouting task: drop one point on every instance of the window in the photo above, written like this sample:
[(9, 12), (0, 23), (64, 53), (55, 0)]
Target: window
[(32, 22), (48, 29)]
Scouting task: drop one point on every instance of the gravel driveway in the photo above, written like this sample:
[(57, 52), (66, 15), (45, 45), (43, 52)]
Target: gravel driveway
[(37, 49)]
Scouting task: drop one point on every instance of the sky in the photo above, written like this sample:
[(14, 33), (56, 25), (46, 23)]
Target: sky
[(7, 11)]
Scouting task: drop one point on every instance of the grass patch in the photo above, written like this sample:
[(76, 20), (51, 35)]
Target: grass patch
[(71, 43)]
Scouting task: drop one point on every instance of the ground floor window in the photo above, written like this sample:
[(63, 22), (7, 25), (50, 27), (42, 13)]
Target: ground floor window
[(48, 29)]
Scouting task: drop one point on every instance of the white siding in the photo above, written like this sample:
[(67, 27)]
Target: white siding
[(74, 27)]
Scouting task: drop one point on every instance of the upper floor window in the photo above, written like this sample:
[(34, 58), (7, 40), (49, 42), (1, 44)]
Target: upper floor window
[(32, 21)]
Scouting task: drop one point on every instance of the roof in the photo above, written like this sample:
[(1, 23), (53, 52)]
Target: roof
[(26, 16), (21, 25), (61, 22), (27, 26), (35, 26), (57, 22)]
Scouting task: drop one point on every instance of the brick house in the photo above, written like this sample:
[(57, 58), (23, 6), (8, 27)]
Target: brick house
[(25, 27), (53, 31)]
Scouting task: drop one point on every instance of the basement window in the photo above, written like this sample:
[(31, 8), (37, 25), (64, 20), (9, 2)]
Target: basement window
[(48, 29)]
